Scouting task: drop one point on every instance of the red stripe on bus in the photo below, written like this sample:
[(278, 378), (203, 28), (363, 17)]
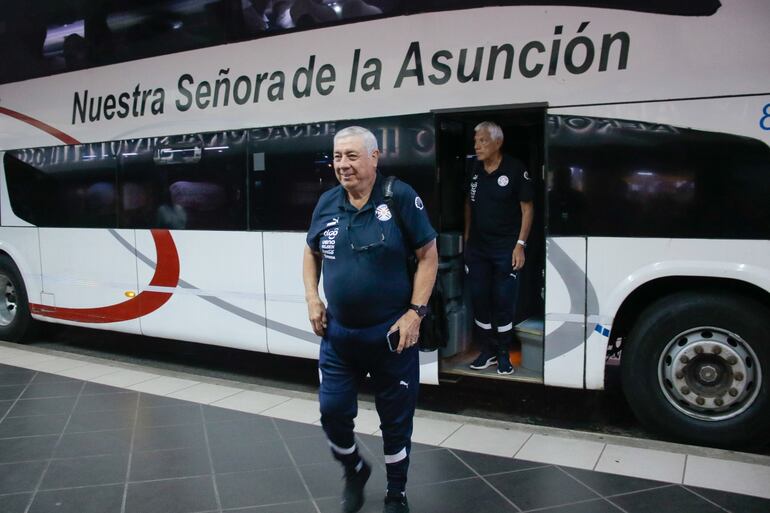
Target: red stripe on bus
[(166, 275), (66, 139)]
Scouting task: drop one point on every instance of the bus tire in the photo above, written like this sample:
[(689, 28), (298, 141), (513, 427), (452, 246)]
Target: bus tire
[(696, 366), (15, 320)]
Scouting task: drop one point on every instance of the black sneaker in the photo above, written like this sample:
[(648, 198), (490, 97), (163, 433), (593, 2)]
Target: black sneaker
[(504, 364), (395, 504), (353, 494), (484, 360)]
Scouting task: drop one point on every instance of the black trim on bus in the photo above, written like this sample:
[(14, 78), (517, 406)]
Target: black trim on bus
[(605, 177), (683, 99), (48, 37)]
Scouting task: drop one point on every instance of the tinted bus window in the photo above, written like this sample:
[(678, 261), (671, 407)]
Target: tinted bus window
[(610, 177), (191, 182), (291, 166), (64, 186), (44, 38)]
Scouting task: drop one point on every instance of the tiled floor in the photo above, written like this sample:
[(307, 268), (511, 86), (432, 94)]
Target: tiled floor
[(74, 446)]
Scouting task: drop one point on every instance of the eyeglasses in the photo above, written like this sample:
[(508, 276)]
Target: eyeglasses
[(365, 247)]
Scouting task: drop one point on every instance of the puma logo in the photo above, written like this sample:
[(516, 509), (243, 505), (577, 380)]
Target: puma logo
[(404, 384)]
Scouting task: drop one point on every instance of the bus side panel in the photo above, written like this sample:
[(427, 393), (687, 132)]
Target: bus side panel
[(288, 327), (565, 301), (84, 271), (19, 240), (21, 244), (219, 298)]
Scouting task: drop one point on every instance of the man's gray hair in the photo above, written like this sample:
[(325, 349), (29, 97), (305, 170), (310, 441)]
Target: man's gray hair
[(494, 130), (370, 141)]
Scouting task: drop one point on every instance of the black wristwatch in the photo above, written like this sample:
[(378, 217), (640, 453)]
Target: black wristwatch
[(422, 310)]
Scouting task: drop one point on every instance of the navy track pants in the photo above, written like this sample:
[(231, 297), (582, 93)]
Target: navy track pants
[(347, 355), (494, 289)]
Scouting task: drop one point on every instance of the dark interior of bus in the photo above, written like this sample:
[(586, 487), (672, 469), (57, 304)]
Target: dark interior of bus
[(523, 130)]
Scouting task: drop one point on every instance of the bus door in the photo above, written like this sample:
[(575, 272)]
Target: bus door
[(88, 265), (523, 139)]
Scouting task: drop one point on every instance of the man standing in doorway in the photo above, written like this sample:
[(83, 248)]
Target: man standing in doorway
[(354, 237), (498, 218)]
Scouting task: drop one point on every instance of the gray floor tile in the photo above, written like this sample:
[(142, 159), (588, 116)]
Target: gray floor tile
[(32, 426), (97, 389), (736, 502), (373, 503), (253, 456), (82, 422), (594, 506), (86, 471), (291, 429), (169, 415), (435, 467), (20, 477), (464, 496), (10, 392), (108, 402), (261, 487), (48, 406), (214, 414), (168, 437), (291, 507), (45, 377), (152, 465), (611, 484), (309, 450), (16, 378), (671, 498), (156, 401), (242, 432), (40, 390), (73, 445), (91, 499), (27, 448), (485, 464), (171, 496), (16, 503), (5, 406), (540, 488)]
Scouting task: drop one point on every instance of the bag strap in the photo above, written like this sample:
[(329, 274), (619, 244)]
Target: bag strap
[(387, 193)]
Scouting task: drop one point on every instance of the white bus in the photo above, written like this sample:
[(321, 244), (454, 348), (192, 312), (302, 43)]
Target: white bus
[(160, 163)]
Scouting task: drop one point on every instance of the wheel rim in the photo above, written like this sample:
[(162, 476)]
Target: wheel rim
[(8, 300), (709, 373)]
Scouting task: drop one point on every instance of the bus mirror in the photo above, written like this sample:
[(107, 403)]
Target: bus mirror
[(177, 154)]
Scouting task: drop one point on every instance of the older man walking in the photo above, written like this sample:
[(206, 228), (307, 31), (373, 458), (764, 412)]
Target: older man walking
[(355, 239)]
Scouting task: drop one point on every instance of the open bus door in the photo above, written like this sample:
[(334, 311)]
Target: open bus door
[(524, 138)]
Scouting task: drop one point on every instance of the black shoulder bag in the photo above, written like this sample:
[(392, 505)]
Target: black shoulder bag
[(433, 326)]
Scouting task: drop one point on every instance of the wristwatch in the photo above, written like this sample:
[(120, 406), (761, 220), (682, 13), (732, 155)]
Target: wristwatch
[(521, 243), (422, 310)]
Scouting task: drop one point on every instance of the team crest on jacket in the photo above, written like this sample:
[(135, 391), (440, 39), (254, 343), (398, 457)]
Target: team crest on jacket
[(383, 212), (418, 203), (502, 181)]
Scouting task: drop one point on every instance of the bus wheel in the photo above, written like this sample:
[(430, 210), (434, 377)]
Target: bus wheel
[(15, 320), (695, 367)]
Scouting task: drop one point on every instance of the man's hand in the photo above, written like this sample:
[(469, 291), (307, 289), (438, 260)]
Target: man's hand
[(518, 258), (408, 327), (316, 311)]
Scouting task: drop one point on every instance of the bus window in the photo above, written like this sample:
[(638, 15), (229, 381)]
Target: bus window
[(654, 180), (291, 166), (206, 192), (64, 186)]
